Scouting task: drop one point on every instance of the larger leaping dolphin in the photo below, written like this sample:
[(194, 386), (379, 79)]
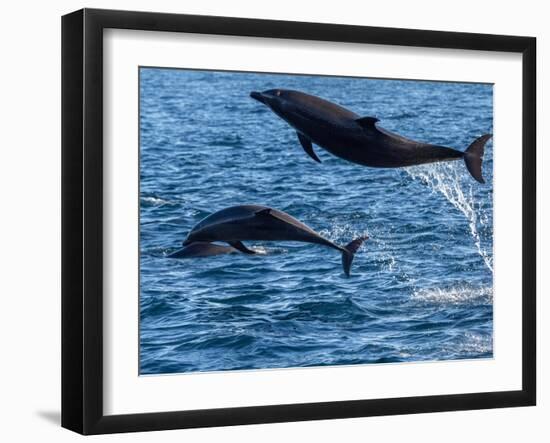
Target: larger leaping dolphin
[(261, 223), (359, 139)]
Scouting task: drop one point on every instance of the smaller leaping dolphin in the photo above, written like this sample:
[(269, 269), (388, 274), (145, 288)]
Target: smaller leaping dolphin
[(359, 139), (202, 249), (236, 224)]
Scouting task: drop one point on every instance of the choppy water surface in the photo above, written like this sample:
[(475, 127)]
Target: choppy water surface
[(421, 286)]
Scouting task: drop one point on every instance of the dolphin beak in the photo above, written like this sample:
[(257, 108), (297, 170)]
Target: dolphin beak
[(186, 242), (258, 96)]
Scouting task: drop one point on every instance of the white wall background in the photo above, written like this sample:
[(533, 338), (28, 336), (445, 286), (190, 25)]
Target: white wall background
[(30, 219)]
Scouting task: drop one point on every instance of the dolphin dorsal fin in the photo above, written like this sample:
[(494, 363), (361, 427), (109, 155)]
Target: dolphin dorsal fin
[(265, 211), (268, 212), (367, 122)]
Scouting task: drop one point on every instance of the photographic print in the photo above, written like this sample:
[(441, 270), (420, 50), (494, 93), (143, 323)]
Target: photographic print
[(292, 221)]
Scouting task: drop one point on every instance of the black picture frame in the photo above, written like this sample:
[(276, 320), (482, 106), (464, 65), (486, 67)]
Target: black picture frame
[(82, 221)]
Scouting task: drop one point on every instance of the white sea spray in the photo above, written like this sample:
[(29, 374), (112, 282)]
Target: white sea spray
[(446, 179)]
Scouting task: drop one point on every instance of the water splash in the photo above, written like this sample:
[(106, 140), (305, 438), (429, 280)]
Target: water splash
[(152, 200), (263, 250), (470, 345), (456, 295), (475, 344), (445, 179), (342, 232)]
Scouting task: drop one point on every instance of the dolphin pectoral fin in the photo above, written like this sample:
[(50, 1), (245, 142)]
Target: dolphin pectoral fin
[(308, 147), (239, 246), (368, 123)]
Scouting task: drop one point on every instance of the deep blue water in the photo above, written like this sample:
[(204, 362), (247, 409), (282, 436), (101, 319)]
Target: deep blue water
[(421, 286)]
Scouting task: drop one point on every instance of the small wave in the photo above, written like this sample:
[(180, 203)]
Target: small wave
[(401, 116), (230, 141), (157, 251), (469, 345), (475, 344), (454, 295), (343, 309), (237, 341), (149, 201), (156, 307), (240, 299)]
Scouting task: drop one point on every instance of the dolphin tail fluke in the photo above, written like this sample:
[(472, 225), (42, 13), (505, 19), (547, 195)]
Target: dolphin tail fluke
[(473, 157), (349, 253)]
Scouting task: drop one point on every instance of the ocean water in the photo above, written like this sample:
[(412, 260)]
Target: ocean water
[(421, 286)]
